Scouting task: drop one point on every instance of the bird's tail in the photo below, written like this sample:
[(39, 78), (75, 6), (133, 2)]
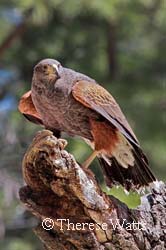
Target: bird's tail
[(132, 177)]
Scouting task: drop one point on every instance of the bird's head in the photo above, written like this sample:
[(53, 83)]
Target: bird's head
[(47, 70)]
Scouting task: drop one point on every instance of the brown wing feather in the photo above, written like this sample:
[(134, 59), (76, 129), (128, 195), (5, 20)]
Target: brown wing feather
[(95, 97), (27, 108)]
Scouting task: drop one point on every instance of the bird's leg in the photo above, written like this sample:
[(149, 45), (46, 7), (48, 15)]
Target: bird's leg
[(88, 161)]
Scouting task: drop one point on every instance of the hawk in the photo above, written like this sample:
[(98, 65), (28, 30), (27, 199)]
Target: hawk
[(64, 100)]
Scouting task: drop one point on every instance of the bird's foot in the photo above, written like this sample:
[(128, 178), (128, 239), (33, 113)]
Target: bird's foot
[(88, 161)]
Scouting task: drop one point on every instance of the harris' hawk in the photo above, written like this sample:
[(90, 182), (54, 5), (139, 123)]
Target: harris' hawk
[(64, 100)]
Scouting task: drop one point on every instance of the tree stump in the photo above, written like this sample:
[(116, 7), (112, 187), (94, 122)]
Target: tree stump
[(73, 211)]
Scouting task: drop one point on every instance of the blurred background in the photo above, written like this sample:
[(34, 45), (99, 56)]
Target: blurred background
[(121, 44)]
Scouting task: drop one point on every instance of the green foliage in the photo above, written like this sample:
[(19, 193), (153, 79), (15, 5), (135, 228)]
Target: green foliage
[(19, 243), (131, 199)]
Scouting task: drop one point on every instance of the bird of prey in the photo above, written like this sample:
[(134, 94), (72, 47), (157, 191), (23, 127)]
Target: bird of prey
[(64, 100)]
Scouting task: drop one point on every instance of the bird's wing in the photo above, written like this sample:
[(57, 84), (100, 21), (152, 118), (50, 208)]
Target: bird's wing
[(27, 108), (95, 97)]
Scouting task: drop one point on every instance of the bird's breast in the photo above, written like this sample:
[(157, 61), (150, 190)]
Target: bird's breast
[(64, 113)]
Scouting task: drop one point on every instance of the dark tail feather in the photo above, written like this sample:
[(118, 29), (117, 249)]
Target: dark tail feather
[(132, 177)]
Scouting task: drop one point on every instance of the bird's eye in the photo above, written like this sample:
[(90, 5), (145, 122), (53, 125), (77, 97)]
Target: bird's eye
[(45, 67)]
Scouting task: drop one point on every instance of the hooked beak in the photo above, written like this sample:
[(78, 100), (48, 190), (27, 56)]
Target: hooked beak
[(56, 70)]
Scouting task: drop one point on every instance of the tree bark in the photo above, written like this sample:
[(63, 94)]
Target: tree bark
[(73, 211)]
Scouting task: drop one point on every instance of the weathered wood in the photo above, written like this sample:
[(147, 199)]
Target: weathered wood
[(69, 200)]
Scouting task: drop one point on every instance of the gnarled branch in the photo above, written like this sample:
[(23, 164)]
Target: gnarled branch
[(73, 211)]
